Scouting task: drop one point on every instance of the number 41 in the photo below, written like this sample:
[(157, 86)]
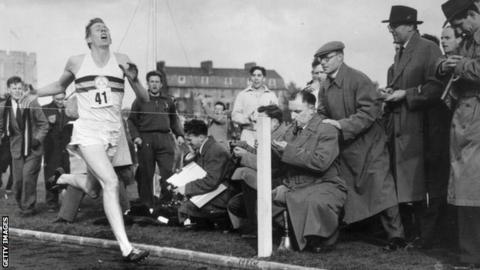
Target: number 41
[(98, 98)]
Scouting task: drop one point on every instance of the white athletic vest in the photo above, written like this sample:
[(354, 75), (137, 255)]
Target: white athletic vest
[(99, 91)]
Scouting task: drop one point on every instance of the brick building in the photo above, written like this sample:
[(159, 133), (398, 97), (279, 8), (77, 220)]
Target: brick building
[(17, 63), (187, 84)]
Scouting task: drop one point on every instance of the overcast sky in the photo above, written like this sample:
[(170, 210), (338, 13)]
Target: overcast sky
[(278, 34)]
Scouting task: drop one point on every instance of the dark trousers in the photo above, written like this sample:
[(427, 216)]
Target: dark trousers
[(157, 148), (53, 159), (6, 161), (25, 175), (469, 234), (422, 220), (74, 196)]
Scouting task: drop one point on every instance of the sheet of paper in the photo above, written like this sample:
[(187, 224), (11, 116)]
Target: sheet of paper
[(201, 200), (189, 173)]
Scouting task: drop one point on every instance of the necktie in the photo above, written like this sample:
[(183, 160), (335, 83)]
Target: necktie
[(400, 52), (18, 115), (297, 130)]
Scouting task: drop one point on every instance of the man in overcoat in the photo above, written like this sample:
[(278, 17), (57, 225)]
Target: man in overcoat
[(416, 124), (312, 191), (26, 125), (464, 182), (349, 101)]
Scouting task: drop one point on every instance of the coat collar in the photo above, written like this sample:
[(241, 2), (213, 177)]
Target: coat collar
[(206, 145), (476, 36), (399, 65), (310, 128), (339, 77)]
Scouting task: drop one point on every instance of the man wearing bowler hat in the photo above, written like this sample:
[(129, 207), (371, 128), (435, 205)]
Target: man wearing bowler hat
[(463, 66), (348, 100), (417, 132)]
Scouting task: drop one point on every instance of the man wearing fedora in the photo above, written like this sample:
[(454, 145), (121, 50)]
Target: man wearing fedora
[(463, 66), (349, 101), (415, 127)]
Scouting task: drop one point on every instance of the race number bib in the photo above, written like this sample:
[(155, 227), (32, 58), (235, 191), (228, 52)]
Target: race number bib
[(101, 96)]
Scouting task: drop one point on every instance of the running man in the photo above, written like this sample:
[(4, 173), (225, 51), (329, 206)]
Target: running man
[(99, 83)]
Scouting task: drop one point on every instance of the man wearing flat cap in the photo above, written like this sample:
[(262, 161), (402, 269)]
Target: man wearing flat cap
[(418, 134), (463, 67), (349, 101)]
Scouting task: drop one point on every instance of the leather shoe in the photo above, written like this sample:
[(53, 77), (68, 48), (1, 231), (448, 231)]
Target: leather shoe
[(136, 255), (322, 248), (420, 244), (27, 212), (62, 220), (52, 181), (394, 244)]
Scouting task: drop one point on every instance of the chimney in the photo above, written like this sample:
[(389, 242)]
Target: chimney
[(161, 65), (249, 65), (207, 66)]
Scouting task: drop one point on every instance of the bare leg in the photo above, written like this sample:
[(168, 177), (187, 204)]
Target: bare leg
[(100, 166)]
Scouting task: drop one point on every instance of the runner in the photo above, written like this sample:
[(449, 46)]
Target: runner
[(99, 83)]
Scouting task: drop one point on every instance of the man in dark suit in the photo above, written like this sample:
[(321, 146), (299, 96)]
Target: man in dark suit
[(26, 125), (5, 155), (55, 143), (217, 163), (417, 125)]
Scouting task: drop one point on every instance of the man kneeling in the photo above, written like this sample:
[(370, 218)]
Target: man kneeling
[(312, 192), (212, 157)]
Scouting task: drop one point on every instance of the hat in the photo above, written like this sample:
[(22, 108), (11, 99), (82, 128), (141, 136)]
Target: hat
[(402, 14), (330, 47), (452, 8)]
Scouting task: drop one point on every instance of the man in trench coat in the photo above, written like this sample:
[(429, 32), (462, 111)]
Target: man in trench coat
[(416, 125), (312, 192), (464, 182), (349, 101)]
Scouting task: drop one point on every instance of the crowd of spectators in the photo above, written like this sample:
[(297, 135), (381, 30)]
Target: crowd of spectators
[(403, 156)]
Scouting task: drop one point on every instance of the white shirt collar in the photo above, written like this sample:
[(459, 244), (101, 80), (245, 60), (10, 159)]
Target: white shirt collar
[(334, 75), (264, 88), (406, 43), (14, 107), (201, 146)]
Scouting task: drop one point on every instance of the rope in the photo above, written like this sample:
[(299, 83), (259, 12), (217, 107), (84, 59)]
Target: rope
[(178, 34), (129, 24)]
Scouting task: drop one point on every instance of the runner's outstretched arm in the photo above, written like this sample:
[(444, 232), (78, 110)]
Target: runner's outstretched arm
[(131, 72), (63, 82)]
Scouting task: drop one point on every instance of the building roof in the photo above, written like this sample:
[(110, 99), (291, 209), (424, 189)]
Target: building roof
[(207, 77), (220, 72)]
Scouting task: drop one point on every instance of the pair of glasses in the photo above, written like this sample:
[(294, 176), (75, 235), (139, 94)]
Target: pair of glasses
[(317, 72), (393, 26), (326, 58)]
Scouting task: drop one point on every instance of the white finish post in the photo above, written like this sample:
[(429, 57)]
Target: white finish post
[(264, 187)]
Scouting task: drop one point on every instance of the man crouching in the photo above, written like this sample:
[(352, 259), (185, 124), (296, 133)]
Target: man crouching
[(312, 192), (212, 157)]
